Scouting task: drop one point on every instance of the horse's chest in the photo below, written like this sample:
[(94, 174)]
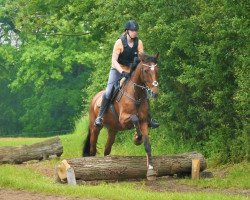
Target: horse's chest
[(140, 111)]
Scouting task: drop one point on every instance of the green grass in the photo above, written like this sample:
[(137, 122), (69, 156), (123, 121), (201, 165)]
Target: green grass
[(23, 178), (237, 176), (72, 143), (12, 176), (19, 141)]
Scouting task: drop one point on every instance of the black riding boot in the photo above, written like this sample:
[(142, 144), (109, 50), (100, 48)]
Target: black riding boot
[(104, 105), (152, 123)]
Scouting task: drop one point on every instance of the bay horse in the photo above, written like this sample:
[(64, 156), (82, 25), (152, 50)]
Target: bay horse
[(131, 110)]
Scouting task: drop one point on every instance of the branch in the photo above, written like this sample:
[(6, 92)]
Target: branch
[(63, 34)]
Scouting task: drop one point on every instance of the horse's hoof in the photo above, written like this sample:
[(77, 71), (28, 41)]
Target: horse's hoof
[(137, 140), (151, 175)]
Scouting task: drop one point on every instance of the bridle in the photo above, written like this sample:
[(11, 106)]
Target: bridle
[(155, 83), (151, 67), (144, 86)]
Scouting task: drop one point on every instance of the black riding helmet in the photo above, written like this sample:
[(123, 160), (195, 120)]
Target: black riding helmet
[(131, 25)]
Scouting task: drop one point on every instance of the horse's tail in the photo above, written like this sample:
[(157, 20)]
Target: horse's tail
[(86, 146)]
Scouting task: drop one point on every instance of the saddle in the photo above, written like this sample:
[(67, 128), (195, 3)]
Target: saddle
[(115, 93)]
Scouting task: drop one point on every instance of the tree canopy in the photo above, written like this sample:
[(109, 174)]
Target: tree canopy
[(55, 55)]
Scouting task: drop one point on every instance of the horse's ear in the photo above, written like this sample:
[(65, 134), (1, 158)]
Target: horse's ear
[(141, 56), (157, 55)]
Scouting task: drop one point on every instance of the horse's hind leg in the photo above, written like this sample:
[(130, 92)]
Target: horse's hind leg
[(110, 142), (94, 133)]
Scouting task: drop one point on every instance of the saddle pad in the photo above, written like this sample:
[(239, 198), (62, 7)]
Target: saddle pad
[(122, 81)]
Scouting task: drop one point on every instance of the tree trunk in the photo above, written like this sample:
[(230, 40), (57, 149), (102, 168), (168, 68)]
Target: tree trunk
[(37, 151), (126, 167)]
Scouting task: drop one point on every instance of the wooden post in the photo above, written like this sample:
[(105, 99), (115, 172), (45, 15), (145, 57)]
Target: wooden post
[(195, 168), (65, 172)]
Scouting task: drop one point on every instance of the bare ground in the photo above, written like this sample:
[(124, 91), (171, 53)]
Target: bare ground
[(162, 184), (9, 194)]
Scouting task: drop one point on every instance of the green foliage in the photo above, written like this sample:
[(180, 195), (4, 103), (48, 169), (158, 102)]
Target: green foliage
[(9, 102), (51, 65), (204, 65)]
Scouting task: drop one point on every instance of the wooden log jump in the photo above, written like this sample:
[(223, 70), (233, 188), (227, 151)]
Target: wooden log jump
[(125, 167), (37, 151)]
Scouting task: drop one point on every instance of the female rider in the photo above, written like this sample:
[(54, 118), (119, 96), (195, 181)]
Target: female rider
[(125, 50)]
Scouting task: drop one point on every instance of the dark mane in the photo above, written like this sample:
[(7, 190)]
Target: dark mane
[(147, 58)]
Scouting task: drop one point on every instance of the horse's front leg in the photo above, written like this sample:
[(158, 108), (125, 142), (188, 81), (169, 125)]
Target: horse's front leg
[(138, 134), (151, 173)]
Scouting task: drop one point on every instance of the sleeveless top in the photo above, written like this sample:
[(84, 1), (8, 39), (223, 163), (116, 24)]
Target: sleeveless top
[(129, 53)]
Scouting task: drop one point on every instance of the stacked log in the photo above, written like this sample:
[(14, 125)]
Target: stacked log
[(126, 167), (37, 151)]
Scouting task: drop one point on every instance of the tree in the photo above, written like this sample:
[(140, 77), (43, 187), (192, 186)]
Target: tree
[(52, 60), (203, 63)]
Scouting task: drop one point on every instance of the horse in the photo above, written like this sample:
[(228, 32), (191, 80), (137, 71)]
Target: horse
[(131, 107)]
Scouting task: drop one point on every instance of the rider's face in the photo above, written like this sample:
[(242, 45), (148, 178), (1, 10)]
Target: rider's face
[(132, 33)]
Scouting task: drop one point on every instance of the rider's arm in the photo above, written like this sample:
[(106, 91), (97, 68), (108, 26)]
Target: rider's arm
[(118, 48), (115, 63), (140, 47)]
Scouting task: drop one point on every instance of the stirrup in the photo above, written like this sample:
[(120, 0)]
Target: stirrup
[(152, 123)]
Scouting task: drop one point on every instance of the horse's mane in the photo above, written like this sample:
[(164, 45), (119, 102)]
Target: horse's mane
[(147, 58), (144, 58)]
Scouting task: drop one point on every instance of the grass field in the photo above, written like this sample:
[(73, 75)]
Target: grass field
[(227, 178)]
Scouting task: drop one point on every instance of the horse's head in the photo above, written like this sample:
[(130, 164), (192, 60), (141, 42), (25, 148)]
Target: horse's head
[(149, 72)]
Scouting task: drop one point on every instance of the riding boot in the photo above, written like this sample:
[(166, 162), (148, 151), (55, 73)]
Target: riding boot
[(104, 105), (152, 123)]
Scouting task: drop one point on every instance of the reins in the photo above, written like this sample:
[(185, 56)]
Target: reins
[(143, 87)]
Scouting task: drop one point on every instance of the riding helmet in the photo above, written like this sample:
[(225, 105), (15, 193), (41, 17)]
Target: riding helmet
[(131, 25)]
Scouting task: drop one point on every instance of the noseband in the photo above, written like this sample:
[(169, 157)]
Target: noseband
[(143, 87), (155, 83), (152, 68)]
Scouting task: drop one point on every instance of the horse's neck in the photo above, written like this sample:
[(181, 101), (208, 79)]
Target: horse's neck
[(131, 88), (136, 76)]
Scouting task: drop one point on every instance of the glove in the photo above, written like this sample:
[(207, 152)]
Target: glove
[(125, 74)]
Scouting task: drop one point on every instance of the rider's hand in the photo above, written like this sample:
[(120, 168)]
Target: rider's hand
[(125, 74)]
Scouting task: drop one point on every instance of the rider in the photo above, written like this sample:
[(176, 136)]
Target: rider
[(126, 49)]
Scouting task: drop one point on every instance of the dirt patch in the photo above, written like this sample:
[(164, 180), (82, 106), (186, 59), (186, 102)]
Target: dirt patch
[(42, 167), (8, 194)]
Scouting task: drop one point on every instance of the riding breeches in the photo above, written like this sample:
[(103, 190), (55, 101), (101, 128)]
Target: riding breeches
[(114, 76)]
